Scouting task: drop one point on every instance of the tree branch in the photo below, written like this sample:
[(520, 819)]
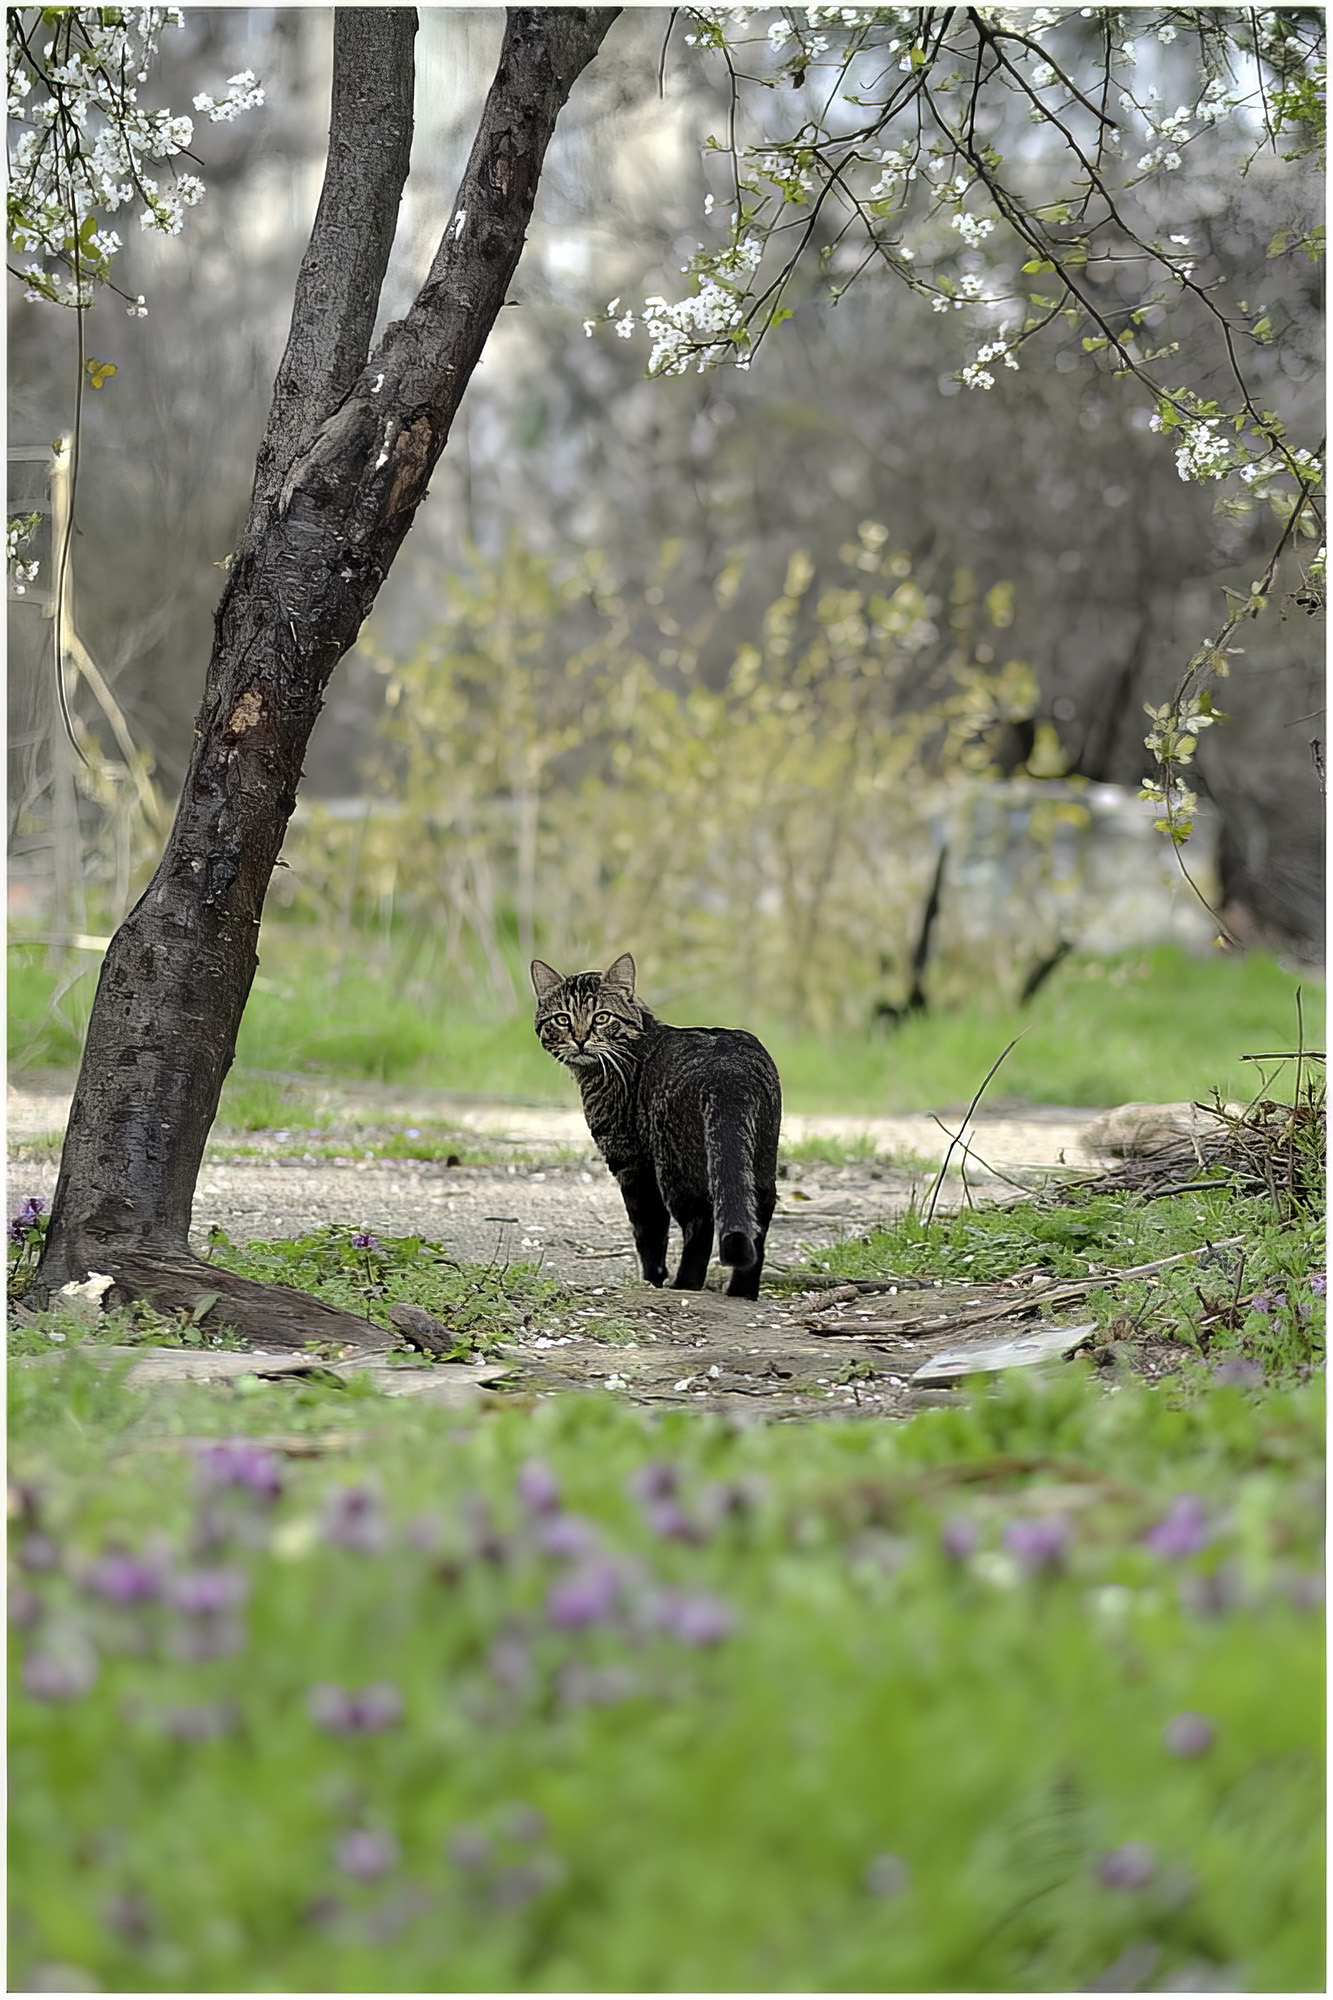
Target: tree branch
[(338, 289)]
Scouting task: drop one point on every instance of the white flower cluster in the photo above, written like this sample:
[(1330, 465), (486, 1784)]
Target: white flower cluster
[(1200, 452), (21, 573), (1299, 463), (897, 169), (702, 328), (83, 142), (977, 375), (974, 229), (1030, 21), (1171, 134), (1216, 102), (244, 93)]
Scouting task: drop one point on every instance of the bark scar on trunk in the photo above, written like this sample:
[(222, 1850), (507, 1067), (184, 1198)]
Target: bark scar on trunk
[(411, 467), (247, 711)]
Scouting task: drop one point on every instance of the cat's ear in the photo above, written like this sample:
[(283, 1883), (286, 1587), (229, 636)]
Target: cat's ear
[(545, 978), (621, 973)]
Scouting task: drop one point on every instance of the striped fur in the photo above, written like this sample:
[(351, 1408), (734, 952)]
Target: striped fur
[(686, 1119)]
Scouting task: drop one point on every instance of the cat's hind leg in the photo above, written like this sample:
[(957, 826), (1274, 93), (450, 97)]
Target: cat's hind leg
[(648, 1219), (697, 1228)]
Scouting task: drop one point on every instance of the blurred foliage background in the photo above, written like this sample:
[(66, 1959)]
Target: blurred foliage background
[(812, 685)]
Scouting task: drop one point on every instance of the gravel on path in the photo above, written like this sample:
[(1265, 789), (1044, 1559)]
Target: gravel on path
[(555, 1206)]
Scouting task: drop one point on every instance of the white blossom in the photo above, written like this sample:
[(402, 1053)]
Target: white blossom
[(1200, 452), (244, 93), (80, 140), (973, 229)]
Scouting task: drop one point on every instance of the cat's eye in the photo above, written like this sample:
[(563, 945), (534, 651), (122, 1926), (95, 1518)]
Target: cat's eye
[(601, 1017), (561, 1020)]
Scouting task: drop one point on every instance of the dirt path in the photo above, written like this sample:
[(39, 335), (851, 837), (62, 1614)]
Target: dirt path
[(553, 1204)]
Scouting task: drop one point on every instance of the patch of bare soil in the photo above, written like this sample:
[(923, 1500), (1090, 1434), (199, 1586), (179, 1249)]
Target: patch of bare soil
[(784, 1355)]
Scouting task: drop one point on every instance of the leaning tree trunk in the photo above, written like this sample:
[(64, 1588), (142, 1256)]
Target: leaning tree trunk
[(347, 453)]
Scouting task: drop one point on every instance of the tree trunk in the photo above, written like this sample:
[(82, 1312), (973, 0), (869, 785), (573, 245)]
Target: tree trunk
[(348, 450)]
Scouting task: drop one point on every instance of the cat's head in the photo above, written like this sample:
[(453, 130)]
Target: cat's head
[(585, 1019)]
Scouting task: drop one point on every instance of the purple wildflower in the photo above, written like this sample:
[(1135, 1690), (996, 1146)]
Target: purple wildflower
[(1129, 1971), (667, 1518), (365, 1239), (364, 1854), (352, 1518), (959, 1536), (1182, 1531), (581, 1686), (1238, 1372), (60, 1676), (238, 1462), (24, 1502), (196, 1722), (468, 1847), (486, 1540), (1129, 1867), (128, 1917), (1188, 1734), (887, 1875), (694, 1618), (566, 1535), (1318, 1283), (1211, 1596), (342, 1713), (523, 1822), (1038, 1544), (538, 1488), (124, 1579), (514, 1887), (1305, 1589), (322, 1911), (30, 1209), (425, 1532), (204, 1593), (729, 1499), (585, 1596), (24, 1607), (657, 1480), (37, 1552), (510, 1662)]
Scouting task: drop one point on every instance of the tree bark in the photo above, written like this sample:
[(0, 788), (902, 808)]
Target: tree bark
[(347, 453)]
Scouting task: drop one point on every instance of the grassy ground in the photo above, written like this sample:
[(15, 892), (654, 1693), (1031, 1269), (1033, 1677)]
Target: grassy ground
[(1015, 1697), (1024, 1694), (1020, 1695), (1153, 1025)]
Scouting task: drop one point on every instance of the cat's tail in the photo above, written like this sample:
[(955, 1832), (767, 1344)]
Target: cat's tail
[(729, 1140)]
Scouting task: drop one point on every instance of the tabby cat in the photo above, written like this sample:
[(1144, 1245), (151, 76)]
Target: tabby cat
[(685, 1118)]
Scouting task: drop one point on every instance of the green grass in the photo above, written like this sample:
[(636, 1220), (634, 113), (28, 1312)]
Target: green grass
[(609, 1806), (1244, 1285), (1153, 1025)]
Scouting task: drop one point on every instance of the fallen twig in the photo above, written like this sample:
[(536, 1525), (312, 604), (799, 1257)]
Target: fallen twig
[(1075, 1288)]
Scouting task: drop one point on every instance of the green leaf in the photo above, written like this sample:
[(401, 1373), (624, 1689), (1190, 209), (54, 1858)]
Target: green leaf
[(1093, 344), (203, 1306), (1039, 264)]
